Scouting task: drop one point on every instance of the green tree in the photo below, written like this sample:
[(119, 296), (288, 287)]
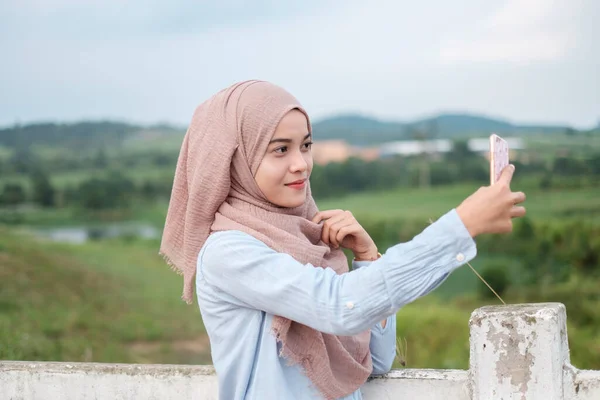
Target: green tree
[(546, 181), (100, 160), (23, 160), (460, 151), (495, 275), (594, 164), (93, 194), (43, 192), (148, 190), (13, 194), (114, 191), (524, 229), (569, 166)]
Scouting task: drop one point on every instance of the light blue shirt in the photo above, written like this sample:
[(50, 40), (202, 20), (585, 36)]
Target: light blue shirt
[(242, 283)]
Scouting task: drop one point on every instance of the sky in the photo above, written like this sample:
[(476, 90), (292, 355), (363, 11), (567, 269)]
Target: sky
[(147, 62)]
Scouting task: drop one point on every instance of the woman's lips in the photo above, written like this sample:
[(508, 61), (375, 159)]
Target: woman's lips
[(297, 184)]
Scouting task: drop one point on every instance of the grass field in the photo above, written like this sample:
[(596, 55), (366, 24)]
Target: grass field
[(422, 204), (102, 301)]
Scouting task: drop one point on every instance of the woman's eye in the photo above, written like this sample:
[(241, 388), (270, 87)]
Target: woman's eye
[(281, 150), (308, 145)]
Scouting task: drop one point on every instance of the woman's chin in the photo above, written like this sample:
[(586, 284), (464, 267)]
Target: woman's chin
[(294, 202)]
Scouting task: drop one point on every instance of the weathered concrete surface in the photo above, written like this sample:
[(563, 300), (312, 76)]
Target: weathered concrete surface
[(581, 384), (419, 384), (71, 381), (83, 381), (518, 352), (74, 381)]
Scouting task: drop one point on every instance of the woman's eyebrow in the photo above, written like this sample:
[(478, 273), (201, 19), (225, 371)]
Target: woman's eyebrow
[(287, 140)]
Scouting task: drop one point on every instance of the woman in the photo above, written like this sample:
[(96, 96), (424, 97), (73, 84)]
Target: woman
[(285, 317)]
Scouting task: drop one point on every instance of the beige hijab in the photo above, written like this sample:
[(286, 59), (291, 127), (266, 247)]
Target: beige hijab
[(214, 190)]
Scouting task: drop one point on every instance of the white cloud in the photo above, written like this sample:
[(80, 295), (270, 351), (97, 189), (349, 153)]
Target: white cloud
[(519, 32)]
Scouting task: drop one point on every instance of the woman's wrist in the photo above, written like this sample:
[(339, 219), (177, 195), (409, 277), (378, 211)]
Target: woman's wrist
[(468, 221), (370, 255)]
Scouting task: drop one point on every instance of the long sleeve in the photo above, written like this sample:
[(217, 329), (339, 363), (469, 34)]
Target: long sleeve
[(383, 339), (345, 304), (383, 346)]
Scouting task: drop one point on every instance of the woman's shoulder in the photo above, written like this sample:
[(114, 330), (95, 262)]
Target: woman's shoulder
[(225, 243), (231, 236)]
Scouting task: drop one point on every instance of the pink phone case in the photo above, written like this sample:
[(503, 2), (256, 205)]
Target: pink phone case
[(498, 157)]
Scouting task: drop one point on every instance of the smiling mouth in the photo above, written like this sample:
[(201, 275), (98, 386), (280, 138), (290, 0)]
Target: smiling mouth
[(296, 183)]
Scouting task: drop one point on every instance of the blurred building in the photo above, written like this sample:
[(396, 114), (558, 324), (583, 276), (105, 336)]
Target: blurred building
[(328, 151)]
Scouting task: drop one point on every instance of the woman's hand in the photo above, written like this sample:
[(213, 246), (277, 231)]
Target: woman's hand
[(492, 208), (342, 229)]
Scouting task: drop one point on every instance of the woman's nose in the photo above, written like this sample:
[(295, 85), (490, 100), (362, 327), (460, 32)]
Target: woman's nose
[(298, 163)]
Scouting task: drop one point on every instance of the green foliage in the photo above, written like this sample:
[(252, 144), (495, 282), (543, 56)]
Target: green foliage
[(43, 191), (12, 194), (546, 181), (114, 191), (497, 277), (23, 161), (437, 335), (570, 166), (100, 160)]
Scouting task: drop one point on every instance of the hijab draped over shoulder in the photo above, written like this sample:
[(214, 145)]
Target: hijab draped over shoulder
[(214, 190)]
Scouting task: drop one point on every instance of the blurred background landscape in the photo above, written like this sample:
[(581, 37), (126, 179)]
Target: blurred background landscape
[(87, 159)]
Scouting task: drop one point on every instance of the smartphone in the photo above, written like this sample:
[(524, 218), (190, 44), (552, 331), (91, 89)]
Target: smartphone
[(498, 157)]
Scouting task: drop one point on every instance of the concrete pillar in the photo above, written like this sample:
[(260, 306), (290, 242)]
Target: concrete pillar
[(518, 352)]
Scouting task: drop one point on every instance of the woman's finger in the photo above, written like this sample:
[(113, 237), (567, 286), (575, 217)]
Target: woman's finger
[(321, 215), (350, 229), (517, 211), (335, 228), (518, 197), (325, 235), (507, 174)]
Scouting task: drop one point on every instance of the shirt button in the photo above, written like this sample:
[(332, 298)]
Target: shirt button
[(350, 305), (460, 257)]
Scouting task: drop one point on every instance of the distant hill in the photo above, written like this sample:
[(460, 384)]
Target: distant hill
[(362, 130), (77, 135), (81, 135), (356, 129)]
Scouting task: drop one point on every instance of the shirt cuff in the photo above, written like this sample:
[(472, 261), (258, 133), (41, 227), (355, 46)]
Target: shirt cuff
[(451, 234), (360, 264)]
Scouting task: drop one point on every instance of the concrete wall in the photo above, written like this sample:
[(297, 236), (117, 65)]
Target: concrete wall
[(517, 352)]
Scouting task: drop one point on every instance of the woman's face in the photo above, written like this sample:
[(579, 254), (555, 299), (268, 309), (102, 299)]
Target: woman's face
[(283, 173)]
